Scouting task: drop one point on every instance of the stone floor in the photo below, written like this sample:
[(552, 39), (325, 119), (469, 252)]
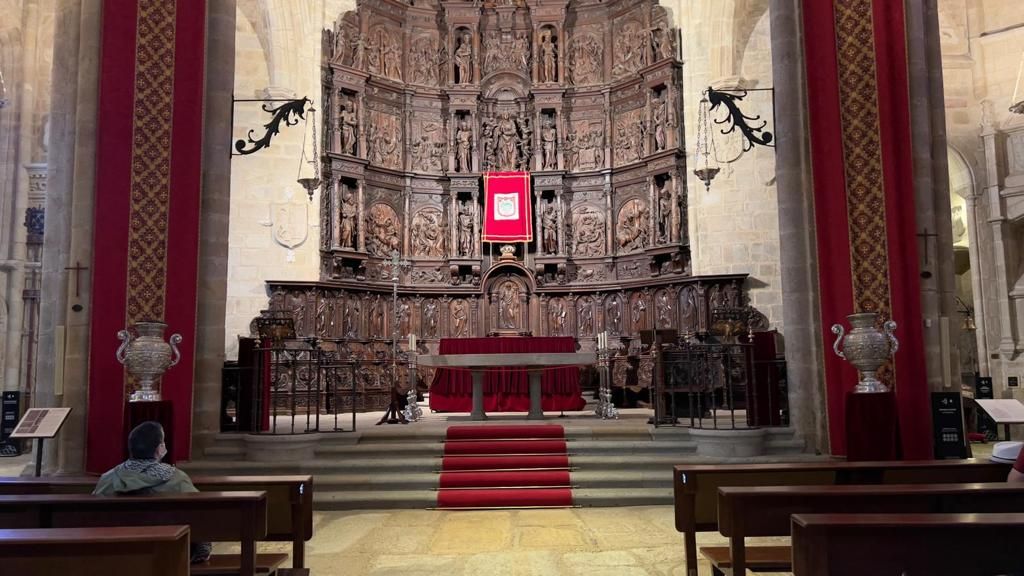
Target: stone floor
[(631, 541)]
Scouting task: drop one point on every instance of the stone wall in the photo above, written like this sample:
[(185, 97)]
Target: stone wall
[(982, 48)]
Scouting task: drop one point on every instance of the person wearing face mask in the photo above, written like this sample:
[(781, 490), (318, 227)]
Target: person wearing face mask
[(143, 474)]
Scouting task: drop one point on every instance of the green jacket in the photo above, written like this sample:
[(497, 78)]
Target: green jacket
[(142, 477)]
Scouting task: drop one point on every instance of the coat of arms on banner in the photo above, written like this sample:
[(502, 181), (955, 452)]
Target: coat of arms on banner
[(506, 206)]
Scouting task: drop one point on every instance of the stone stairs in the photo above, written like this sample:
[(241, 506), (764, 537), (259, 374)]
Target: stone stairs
[(397, 467)]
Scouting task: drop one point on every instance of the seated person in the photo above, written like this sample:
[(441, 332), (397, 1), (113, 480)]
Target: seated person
[(144, 473), (1017, 472)]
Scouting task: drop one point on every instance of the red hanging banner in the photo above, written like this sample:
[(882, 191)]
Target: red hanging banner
[(507, 215)]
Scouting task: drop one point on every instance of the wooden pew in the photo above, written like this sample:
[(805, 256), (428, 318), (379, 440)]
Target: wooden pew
[(139, 550), (696, 490), (211, 516), (289, 500), (744, 512), (932, 544)]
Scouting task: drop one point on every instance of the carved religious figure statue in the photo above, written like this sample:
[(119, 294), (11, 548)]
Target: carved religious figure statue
[(403, 320), (508, 143), (614, 322), (508, 305), (638, 314), (430, 319), (659, 119), (549, 139), (377, 319), (460, 315), (463, 148), (558, 315), (349, 214), (548, 57), (465, 230), (351, 318), (463, 59), (391, 57), (549, 226), (349, 126), (664, 211), (585, 316), (664, 310)]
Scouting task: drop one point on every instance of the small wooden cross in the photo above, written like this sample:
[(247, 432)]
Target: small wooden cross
[(78, 269), (926, 235), (397, 264)]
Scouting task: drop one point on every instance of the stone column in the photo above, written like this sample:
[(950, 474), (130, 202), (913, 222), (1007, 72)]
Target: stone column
[(26, 99), (931, 192), (63, 381), (216, 209), (476, 226), (978, 287), (675, 233), (798, 252), (996, 220)]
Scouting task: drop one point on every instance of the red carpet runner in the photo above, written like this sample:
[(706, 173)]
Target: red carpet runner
[(505, 467)]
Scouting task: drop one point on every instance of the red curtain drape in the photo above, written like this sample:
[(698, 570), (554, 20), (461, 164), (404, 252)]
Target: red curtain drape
[(506, 390), (858, 98), (146, 220)]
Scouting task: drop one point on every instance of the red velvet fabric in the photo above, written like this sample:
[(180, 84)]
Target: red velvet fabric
[(506, 390), (133, 32), (836, 257)]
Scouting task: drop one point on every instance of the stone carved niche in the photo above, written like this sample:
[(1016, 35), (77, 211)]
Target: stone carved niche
[(630, 47), (588, 225), (585, 316), (558, 315), (508, 299), (428, 233), (584, 146), (426, 60), (586, 58), (430, 321), (630, 136), (458, 318), (613, 314), (463, 57), (633, 225), (384, 140), (383, 230), (504, 52), (547, 55)]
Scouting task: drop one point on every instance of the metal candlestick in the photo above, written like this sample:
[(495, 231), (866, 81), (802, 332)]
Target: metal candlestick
[(412, 411), (605, 410)]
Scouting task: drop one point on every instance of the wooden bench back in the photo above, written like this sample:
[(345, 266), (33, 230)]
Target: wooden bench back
[(212, 516), (696, 486), (765, 511), (856, 544), (140, 550), (289, 498)]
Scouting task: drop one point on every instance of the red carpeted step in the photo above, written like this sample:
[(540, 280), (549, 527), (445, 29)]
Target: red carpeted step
[(507, 479), (504, 462), (503, 498), (505, 447), (495, 432)]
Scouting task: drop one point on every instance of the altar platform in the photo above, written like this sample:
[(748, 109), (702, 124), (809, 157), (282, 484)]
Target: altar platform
[(624, 462)]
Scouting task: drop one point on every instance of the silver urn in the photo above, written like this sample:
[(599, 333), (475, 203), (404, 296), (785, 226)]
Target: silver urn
[(146, 356), (866, 347)]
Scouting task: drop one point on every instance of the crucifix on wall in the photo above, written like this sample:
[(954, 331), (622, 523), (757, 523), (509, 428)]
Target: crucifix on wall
[(926, 236), (78, 269)]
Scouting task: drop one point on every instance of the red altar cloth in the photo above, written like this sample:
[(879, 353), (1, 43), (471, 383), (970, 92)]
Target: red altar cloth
[(506, 389)]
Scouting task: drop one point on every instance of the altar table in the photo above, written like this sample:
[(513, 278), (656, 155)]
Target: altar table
[(535, 365), (506, 390)]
